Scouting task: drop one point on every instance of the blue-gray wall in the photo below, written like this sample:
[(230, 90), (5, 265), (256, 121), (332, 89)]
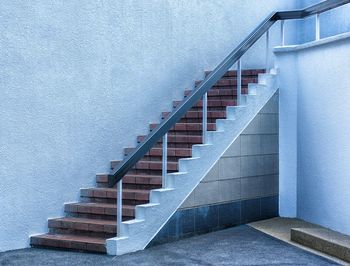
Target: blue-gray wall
[(314, 133), (81, 79)]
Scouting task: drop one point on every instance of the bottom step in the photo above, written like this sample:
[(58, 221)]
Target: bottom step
[(73, 242), (324, 240)]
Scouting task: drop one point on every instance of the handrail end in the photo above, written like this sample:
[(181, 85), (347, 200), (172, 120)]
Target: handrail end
[(112, 180)]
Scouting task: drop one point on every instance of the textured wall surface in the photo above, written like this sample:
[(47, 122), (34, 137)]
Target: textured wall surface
[(240, 188), (316, 117), (75, 76)]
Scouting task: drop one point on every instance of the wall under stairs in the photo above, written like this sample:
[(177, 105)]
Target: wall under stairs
[(241, 187)]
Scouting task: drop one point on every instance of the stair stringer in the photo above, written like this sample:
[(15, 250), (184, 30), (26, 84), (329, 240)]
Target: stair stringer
[(150, 218)]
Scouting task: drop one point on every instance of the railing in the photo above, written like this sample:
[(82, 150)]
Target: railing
[(201, 92)]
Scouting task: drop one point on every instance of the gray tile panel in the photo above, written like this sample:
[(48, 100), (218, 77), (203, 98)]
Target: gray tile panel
[(249, 167)]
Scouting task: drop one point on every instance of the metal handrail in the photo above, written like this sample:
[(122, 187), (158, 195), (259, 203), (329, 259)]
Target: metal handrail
[(123, 167)]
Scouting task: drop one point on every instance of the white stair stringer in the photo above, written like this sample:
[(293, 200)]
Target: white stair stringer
[(150, 218)]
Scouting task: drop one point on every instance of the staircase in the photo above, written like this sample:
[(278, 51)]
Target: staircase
[(91, 221)]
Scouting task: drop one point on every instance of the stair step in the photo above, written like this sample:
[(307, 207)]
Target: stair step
[(134, 181), (73, 242), (102, 209), (191, 128), (212, 104), (227, 82), (245, 73), (324, 240), (156, 153), (196, 116), (199, 114), (224, 93), (83, 226), (111, 193), (178, 140), (149, 165)]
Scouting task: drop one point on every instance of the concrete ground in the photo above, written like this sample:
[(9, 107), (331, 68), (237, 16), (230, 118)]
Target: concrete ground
[(280, 228), (242, 245)]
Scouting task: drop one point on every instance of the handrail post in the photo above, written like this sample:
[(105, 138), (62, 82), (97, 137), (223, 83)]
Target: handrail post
[(267, 50), (164, 159), (317, 27), (119, 206), (282, 33), (239, 81), (205, 116)]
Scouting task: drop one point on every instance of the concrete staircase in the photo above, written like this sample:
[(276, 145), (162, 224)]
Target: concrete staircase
[(90, 225)]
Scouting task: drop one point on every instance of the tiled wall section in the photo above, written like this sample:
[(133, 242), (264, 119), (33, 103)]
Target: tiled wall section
[(199, 220), (241, 187)]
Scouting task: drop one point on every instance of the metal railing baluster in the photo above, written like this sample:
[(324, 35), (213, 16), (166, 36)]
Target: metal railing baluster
[(164, 160), (317, 25), (205, 116), (119, 206), (267, 50), (239, 81), (282, 33)]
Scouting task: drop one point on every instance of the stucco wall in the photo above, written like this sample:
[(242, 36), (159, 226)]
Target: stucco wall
[(77, 75), (314, 114)]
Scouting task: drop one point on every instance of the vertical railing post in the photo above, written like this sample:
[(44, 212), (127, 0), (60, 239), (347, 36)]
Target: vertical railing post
[(267, 50), (164, 160), (317, 24), (205, 116), (239, 81), (119, 206), (282, 33)]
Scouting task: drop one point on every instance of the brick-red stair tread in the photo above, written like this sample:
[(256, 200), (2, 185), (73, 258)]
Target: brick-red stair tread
[(187, 126), (177, 137), (220, 92), (148, 165), (100, 205), (111, 192), (66, 241), (246, 72), (199, 114), (211, 103), (84, 220), (128, 177), (231, 81), (99, 208)]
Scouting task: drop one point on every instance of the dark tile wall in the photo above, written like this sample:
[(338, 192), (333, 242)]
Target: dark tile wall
[(188, 222)]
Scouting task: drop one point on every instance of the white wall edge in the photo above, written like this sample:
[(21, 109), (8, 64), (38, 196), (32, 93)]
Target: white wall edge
[(324, 41)]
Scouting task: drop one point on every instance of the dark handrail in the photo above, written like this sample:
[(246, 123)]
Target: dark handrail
[(123, 167)]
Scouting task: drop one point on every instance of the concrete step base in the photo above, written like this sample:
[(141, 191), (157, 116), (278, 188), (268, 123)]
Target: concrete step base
[(324, 240)]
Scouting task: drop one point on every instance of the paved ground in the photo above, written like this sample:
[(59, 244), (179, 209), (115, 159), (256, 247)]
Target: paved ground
[(280, 228), (240, 245)]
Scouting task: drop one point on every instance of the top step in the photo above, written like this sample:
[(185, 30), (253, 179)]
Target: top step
[(233, 73)]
